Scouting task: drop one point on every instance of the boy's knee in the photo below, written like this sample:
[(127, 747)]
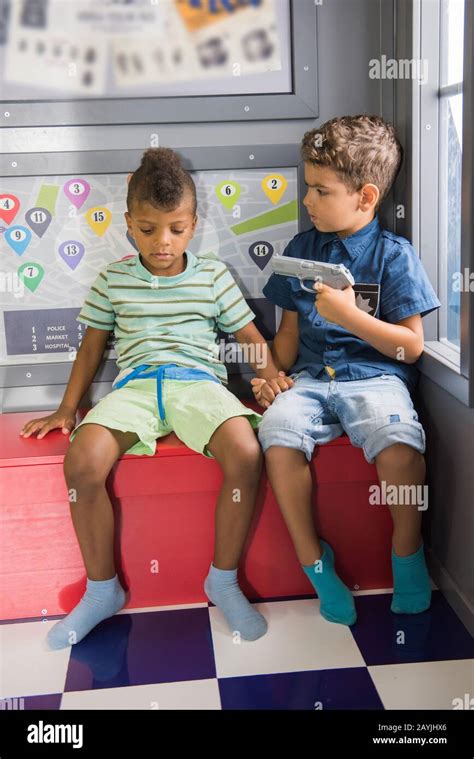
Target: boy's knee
[(399, 456), (245, 458), (282, 454), (81, 470)]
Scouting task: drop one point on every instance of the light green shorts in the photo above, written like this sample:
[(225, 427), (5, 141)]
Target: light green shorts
[(193, 410)]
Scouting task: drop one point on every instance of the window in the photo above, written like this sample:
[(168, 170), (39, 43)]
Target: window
[(450, 169), (439, 112)]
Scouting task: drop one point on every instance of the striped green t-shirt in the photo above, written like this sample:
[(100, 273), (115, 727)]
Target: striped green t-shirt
[(161, 320)]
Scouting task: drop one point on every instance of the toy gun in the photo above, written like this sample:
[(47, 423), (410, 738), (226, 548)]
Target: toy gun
[(334, 275)]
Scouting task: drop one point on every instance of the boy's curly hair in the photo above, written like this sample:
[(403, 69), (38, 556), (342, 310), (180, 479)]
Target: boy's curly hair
[(360, 149), (161, 181)]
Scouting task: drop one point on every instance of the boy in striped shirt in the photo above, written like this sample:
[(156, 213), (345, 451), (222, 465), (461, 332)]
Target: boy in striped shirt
[(164, 307)]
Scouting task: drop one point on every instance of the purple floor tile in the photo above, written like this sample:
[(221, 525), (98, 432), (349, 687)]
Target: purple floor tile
[(322, 689), (387, 638), (143, 648)]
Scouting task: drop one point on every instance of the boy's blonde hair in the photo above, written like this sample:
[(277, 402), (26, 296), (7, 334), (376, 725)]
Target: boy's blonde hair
[(360, 149)]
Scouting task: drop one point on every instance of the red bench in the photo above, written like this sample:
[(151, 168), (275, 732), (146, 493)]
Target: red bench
[(164, 507)]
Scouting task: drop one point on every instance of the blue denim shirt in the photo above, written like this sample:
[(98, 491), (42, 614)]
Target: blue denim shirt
[(390, 284)]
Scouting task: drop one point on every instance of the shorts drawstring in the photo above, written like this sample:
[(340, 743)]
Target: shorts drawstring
[(159, 371)]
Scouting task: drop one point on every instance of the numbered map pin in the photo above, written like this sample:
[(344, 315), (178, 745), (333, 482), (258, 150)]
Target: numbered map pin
[(274, 186), (9, 207), (18, 238), (261, 252), (99, 219), (228, 193), (72, 252), (38, 219), (31, 274), (77, 190)]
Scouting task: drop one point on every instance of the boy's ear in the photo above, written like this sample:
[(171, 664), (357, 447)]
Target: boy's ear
[(127, 220), (129, 178), (370, 194)]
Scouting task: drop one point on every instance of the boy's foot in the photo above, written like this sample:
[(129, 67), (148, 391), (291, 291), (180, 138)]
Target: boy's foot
[(337, 602), (102, 599), (222, 588), (411, 583)]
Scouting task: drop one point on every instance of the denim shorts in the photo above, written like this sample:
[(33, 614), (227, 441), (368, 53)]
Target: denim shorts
[(375, 413)]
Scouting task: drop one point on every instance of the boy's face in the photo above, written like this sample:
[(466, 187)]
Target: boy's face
[(330, 205), (162, 236)]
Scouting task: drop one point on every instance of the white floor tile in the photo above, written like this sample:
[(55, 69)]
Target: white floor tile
[(424, 685), (298, 638), (27, 668), (195, 694)]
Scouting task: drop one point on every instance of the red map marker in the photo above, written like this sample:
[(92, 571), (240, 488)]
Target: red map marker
[(9, 207)]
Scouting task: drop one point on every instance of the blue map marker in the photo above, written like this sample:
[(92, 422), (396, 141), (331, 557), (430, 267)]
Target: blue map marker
[(18, 238)]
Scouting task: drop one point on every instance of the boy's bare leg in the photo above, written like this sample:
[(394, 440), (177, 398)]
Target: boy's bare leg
[(86, 466), (235, 446), (400, 465), (290, 477)]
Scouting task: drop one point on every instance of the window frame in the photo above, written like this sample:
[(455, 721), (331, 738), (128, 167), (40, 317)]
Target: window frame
[(417, 121)]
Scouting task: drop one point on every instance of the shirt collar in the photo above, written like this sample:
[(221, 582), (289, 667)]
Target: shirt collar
[(355, 243), (144, 273)]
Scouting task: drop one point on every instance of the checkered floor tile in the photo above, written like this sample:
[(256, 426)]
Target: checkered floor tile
[(186, 658)]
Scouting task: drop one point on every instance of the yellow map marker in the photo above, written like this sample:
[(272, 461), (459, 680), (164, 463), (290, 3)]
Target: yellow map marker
[(274, 186), (99, 219)]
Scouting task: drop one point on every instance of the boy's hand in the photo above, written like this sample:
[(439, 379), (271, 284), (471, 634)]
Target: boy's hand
[(334, 305), (265, 391), (66, 420)]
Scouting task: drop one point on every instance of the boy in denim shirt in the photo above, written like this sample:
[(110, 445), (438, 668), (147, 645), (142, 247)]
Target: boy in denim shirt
[(351, 354)]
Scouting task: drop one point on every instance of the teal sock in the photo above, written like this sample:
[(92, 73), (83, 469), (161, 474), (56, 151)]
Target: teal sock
[(337, 602), (411, 583), (102, 599), (222, 588)]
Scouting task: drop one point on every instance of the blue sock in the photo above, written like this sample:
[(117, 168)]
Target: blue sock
[(102, 599), (222, 588), (411, 583), (337, 602)]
